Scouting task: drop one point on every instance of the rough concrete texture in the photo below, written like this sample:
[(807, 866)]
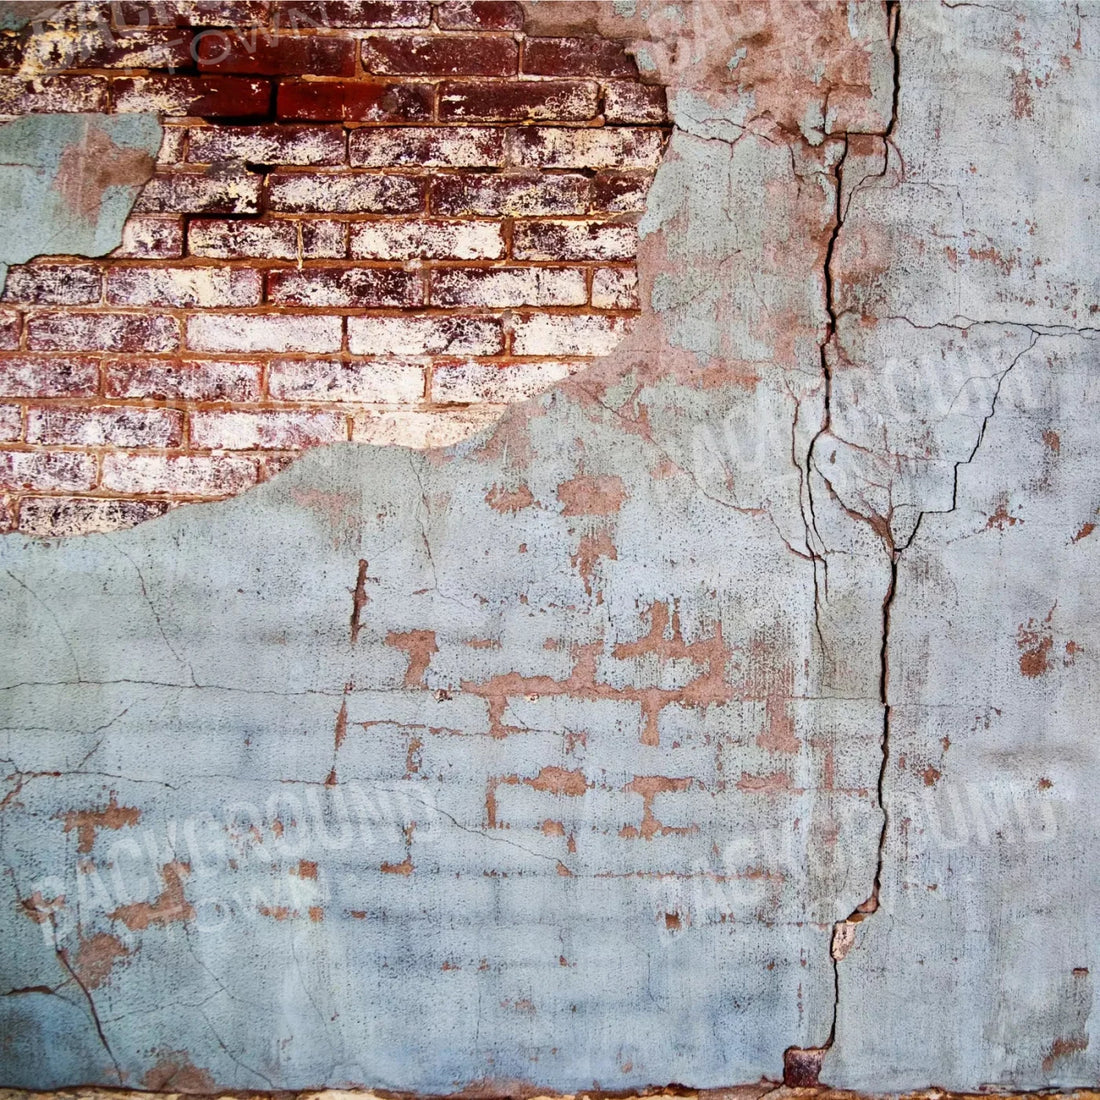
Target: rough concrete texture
[(732, 697)]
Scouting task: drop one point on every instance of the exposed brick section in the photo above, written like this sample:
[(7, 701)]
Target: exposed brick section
[(376, 221)]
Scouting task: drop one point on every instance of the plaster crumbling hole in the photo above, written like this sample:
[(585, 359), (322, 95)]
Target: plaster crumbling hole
[(385, 232)]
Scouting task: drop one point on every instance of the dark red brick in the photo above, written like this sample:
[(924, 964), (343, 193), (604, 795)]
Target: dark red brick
[(355, 13), (336, 101), (587, 56), (146, 49), (206, 96), (276, 54), (440, 55), (11, 325), (186, 13), (620, 192), (479, 15), (333, 286), (544, 100)]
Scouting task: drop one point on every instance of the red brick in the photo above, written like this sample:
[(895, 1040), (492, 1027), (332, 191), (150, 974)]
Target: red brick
[(630, 102), (463, 383), (47, 471), (275, 239), (543, 100), (359, 13), (100, 427), (440, 55), (427, 147), (184, 380), (48, 376), (11, 325), (11, 423), (306, 145), (276, 430), (377, 381), (395, 239), (151, 238), (118, 332), (279, 54), (505, 196), (54, 518), (183, 13), (620, 192), (62, 94), (345, 193), (586, 147), (479, 15), (360, 287), (144, 49), (420, 335), (54, 284), (184, 286), (178, 475), (204, 97), (543, 240), (11, 56), (228, 191), (244, 332), (336, 101), (504, 288), (583, 56)]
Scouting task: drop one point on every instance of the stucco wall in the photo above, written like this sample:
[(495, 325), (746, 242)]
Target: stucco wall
[(725, 710)]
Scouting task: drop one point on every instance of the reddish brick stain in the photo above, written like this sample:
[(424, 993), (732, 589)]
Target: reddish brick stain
[(1086, 530), (649, 786), (590, 549), (1062, 1048), (86, 822), (169, 906), (1035, 641), (509, 500), (88, 170), (175, 1072), (96, 956), (592, 496), (419, 645)]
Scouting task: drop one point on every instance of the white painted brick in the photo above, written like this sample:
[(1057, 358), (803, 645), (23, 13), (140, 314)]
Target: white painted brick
[(425, 336), (277, 430), (427, 240), (465, 383), (264, 332), (369, 381), (422, 430), (568, 334), (184, 286), (47, 471), (504, 288), (615, 288), (604, 147), (564, 240), (426, 147), (179, 475)]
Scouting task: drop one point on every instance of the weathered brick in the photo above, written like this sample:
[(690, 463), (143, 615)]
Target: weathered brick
[(440, 55), (99, 427), (479, 15), (146, 237), (589, 55), (557, 240), (228, 191), (61, 94), (544, 100), (54, 284), (184, 286), (278, 54), (172, 146), (620, 192), (277, 430), (11, 327), (345, 193), (178, 475), (11, 423), (274, 239), (464, 383), (119, 332), (336, 101), (361, 13), (427, 240), (183, 380), (48, 376), (427, 147), (333, 286), (425, 336), (602, 147), (372, 381), (631, 102), (46, 471), (435, 428), (568, 334), (47, 517), (503, 288), (205, 96), (93, 48), (232, 332), (310, 145), (615, 288), (198, 13), (510, 196)]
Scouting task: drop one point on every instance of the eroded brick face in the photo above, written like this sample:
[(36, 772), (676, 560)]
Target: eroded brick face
[(369, 221)]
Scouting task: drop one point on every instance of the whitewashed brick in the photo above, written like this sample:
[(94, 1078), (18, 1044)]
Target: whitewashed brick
[(568, 334), (264, 332), (369, 381), (425, 336)]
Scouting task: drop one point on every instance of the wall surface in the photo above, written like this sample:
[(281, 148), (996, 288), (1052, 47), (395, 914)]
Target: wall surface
[(722, 713)]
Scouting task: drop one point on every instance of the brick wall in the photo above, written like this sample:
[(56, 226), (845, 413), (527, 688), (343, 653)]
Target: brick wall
[(369, 221)]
